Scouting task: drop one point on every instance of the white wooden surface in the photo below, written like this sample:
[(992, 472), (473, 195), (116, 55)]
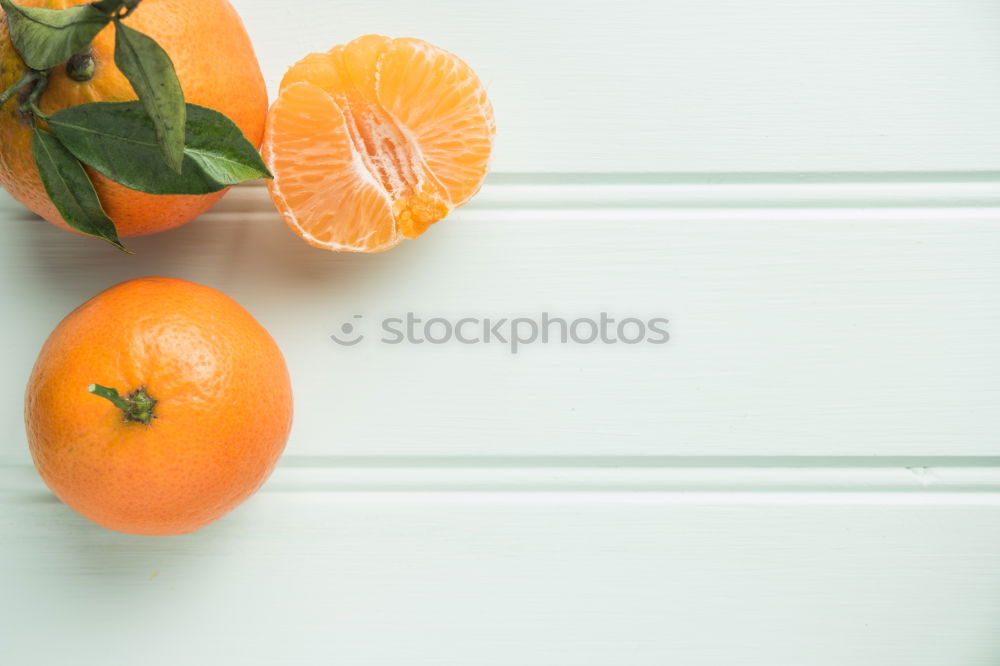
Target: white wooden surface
[(699, 85), (808, 473), (798, 327)]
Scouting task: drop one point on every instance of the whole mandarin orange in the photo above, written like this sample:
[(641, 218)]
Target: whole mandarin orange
[(157, 406), (217, 68)]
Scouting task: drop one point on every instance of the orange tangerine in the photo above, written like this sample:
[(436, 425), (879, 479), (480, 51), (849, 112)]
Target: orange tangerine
[(217, 68), (157, 406), (375, 140)]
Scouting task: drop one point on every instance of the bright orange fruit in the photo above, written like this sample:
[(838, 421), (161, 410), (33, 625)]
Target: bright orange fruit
[(205, 407), (376, 140), (217, 68)]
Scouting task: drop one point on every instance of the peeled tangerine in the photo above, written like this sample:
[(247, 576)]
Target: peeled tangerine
[(376, 140)]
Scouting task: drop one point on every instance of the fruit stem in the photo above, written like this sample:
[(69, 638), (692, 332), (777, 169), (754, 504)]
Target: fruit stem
[(29, 76), (80, 67), (136, 406)]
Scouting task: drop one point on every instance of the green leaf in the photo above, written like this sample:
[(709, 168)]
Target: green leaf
[(45, 38), (150, 71), (118, 140), (70, 189)]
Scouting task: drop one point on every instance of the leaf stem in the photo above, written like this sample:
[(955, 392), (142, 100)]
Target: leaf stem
[(29, 76), (31, 104)]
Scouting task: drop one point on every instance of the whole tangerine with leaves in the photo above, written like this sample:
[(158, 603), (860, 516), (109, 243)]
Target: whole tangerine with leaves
[(157, 406), (214, 62)]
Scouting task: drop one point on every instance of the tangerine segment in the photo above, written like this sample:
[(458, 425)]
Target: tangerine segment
[(376, 140), (326, 194), (453, 121)]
